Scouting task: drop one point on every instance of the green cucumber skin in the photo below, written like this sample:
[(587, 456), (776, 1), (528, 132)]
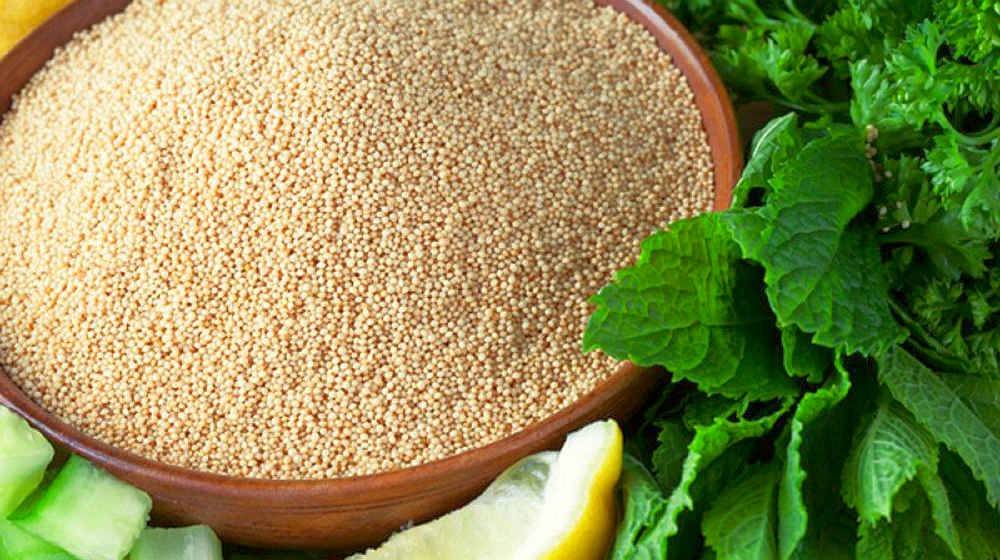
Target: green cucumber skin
[(24, 456), (87, 512), (18, 544), (189, 543)]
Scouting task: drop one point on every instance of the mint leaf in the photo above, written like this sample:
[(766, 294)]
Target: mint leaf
[(668, 457), (945, 415), (794, 517), (801, 357), (978, 524), (643, 502), (740, 524), (911, 536), (691, 305), (894, 447), (773, 145), (980, 394), (701, 410), (708, 444), (821, 276), (941, 511), (877, 226), (875, 542)]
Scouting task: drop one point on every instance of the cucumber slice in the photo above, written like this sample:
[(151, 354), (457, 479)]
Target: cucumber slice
[(87, 512), (24, 454), (190, 543), (18, 544)]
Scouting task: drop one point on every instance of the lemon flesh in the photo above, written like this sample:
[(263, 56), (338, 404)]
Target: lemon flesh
[(549, 506), (482, 529), (579, 516)]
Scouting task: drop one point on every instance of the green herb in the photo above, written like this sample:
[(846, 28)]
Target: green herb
[(834, 338)]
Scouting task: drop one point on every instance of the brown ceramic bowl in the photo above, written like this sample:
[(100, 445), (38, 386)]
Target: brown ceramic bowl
[(349, 513)]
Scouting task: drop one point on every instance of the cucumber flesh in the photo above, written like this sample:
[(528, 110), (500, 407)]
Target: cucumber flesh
[(18, 544), (189, 543), (24, 455), (87, 512)]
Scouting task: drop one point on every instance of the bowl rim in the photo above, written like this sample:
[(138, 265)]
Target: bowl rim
[(726, 153)]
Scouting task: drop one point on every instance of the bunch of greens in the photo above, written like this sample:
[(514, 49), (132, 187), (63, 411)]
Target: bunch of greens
[(833, 340)]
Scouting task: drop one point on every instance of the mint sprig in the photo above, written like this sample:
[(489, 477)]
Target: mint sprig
[(833, 340)]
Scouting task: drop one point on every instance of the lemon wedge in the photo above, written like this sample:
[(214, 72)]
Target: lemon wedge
[(549, 506), (20, 17), (29, 12)]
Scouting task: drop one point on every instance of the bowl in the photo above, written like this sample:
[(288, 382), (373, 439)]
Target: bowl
[(350, 513)]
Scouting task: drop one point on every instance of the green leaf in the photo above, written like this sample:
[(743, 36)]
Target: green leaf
[(691, 305), (974, 87), (832, 528), (952, 323), (740, 525), (910, 536), (873, 98), (914, 539), (802, 358), (697, 14), (643, 502), (822, 276), (919, 91), (967, 178), (733, 464), (708, 444), (893, 448), (701, 410), (891, 17), (945, 415), (874, 104), (978, 524), (941, 511), (971, 26), (668, 457), (794, 516), (980, 394), (772, 147), (845, 36), (910, 212), (770, 60), (875, 542)]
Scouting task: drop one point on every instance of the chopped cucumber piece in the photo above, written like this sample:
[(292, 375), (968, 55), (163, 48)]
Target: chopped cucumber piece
[(18, 544), (24, 454), (87, 512), (190, 543)]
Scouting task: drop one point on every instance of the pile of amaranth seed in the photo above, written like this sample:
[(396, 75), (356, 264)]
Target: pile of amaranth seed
[(311, 239)]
